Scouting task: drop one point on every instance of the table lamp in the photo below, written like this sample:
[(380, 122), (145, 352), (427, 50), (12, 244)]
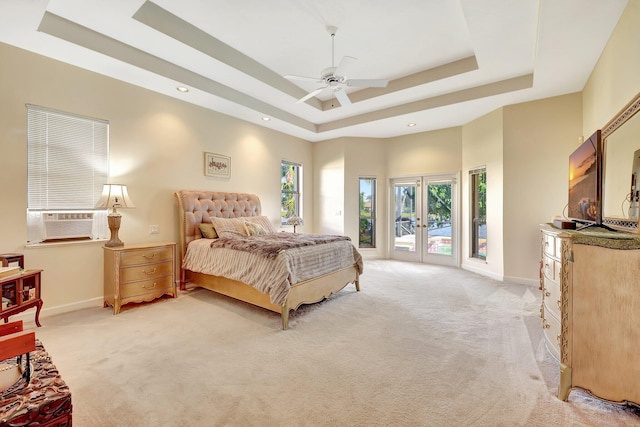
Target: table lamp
[(114, 196), (295, 221)]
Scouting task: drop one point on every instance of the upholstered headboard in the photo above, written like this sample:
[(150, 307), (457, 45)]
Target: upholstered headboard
[(196, 207)]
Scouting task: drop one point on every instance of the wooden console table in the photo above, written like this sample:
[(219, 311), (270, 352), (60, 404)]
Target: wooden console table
[(19, 293)]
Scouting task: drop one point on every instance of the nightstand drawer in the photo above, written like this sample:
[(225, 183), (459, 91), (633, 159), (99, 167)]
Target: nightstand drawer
[(143, 272), (145, 256), (152, 286)]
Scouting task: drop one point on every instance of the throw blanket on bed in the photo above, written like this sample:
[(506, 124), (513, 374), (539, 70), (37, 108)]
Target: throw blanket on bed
[(270, 245), (272, 275)]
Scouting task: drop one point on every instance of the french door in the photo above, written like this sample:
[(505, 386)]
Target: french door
[(425, 219)]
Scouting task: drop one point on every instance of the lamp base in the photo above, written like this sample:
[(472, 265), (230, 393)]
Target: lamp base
[(114, 226)]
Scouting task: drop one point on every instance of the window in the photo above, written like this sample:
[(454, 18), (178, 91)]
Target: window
[(367, 225), (291, 185), (67, 166), (478, 190)]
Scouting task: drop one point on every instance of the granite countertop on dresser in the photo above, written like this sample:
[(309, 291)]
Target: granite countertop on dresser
[(595, 236)]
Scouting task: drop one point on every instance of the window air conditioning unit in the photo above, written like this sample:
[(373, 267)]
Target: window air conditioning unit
[(67, 225)]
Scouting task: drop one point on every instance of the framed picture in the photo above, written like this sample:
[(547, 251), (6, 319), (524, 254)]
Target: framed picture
[(217, 165)]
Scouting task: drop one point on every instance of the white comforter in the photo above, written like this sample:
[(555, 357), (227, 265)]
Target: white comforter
[(271, 276)]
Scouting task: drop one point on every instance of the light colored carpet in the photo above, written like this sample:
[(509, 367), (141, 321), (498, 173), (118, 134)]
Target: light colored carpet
[(418, 346)]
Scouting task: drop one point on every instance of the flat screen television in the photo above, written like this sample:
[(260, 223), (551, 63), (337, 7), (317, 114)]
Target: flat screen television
[(585, 182)]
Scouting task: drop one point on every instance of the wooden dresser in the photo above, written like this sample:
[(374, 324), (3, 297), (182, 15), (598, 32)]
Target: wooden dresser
[(138, 273), (590, 283)]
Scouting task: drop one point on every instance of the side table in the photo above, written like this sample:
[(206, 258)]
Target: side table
[(138, 273), (19, 293)]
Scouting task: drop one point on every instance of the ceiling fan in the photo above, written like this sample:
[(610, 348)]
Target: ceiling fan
[(334, 79)]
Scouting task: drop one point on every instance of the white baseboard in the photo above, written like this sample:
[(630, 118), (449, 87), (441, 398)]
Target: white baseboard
[(482, 272), (29, 315), (534, 283)]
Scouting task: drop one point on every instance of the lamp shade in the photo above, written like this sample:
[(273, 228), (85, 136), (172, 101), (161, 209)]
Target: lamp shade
[(114, 196), (295, 220)]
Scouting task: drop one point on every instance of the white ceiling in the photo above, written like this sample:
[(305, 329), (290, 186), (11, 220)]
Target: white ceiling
[(448, 61)]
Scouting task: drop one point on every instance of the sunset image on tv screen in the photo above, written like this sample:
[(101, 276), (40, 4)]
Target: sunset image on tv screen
[(583, 183)]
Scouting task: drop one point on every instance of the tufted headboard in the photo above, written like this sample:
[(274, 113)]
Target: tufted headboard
[(195, 207)]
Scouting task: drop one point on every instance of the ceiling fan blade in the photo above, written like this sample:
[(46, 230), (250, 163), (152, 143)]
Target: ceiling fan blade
[(344, 64), (310, 95), (367, 83), (342, 97), (302, 78)]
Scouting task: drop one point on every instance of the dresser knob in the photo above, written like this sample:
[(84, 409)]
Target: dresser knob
[(547, 294)]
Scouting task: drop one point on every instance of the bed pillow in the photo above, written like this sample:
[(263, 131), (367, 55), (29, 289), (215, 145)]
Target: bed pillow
[(262, 221), (254, 229), (229, 227), (207, 231)]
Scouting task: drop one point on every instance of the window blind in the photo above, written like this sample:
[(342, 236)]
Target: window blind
[(67, 159)]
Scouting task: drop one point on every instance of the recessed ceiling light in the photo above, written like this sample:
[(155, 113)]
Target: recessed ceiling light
[(266, 119), (411, 125), (182, 89)]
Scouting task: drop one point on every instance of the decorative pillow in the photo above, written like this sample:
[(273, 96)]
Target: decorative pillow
[(254, 229), (207, 231), (263, 221), (229, 227)]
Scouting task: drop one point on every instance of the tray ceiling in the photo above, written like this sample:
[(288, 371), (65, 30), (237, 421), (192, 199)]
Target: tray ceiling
[(447, 62)]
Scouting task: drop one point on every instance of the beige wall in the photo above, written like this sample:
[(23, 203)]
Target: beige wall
[(338, 165), (157, 145), (482, 145), (438, 151), (328, 192), (614, 80), (365, 157), (536, 160)]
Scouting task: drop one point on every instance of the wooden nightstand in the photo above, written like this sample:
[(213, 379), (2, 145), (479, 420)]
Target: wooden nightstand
[(19, 293), (138, 273)]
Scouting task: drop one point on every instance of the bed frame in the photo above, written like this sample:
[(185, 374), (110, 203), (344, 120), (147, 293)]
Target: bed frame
[(195, 207)]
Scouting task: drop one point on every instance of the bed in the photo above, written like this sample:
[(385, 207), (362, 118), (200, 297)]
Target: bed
[(246, 275)]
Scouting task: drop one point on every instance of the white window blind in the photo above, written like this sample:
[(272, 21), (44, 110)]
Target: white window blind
[(67, 160)]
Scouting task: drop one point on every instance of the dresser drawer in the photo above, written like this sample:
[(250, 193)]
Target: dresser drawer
[(145, 256), (551, 296), (549, 245), (143, 272), (152, 286), (551, 328), (548, 267)]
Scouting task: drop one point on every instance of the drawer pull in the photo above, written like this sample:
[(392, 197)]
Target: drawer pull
[(545, 325), (149, 287), (558, 338), (149, 256), (559, 304), (547, 294), (150, 272)]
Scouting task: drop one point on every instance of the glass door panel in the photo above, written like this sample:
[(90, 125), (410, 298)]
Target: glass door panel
[(405, 220), (439, 225)]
